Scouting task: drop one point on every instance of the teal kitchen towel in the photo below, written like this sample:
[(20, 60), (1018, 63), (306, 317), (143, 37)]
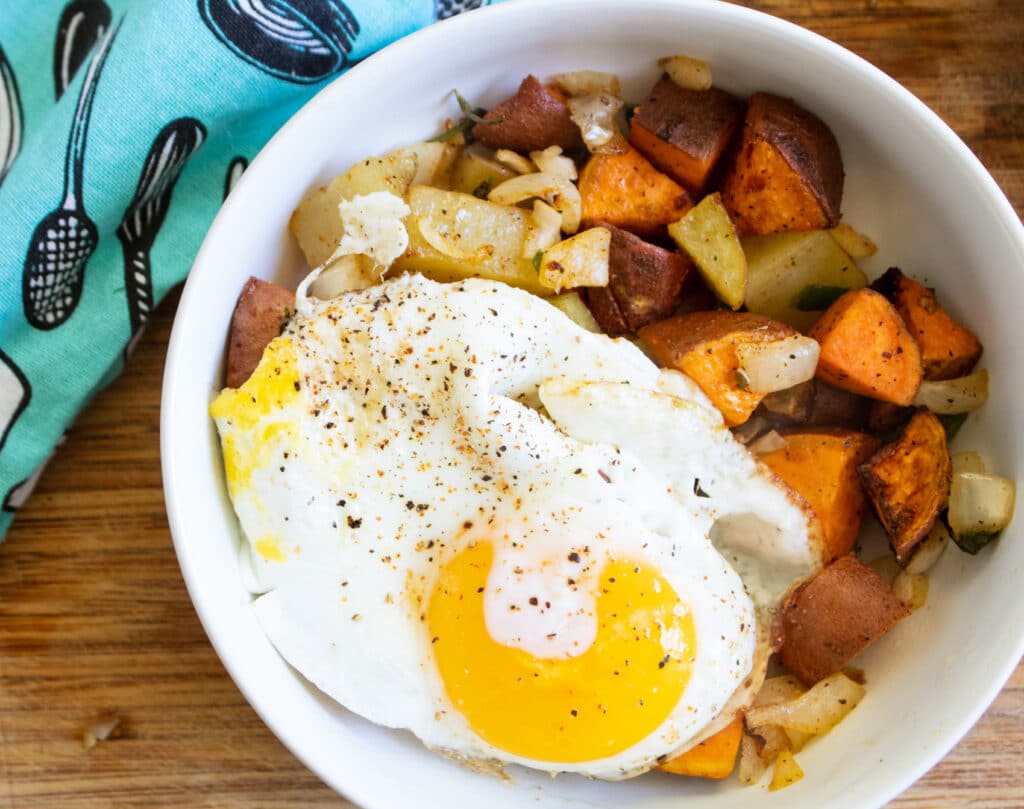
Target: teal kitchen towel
[(123, 125)]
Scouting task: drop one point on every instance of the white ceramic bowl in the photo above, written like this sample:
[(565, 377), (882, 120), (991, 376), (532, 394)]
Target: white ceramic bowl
[(910, 183)]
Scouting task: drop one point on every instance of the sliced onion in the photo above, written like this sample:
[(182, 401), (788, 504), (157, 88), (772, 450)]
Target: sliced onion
[(778, 364), (980, 504), (558, 192), (911, 589), (447, 242), (928, 550), (815, 711), (345, 274), (751, 766), (543, 230), (854, 244), (771, 441), (951, 396), (514, 161), (687, 72), (588, 82), (595, 116), (579, 261), (552, 161)]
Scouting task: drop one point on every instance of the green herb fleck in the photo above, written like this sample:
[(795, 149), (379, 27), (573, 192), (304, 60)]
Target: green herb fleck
[(537, 259), (742, 380), (816, 297), (952, 424), (470, 117), (482, 190)]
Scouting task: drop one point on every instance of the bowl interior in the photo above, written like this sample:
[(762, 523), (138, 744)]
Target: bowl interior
[(910, 184)]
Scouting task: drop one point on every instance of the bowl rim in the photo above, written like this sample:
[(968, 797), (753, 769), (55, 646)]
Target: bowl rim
[(361, 790)]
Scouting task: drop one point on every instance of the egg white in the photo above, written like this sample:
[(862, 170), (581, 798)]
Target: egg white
[(416, 429)]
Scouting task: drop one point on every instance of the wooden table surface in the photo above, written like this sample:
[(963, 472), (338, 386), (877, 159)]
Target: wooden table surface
[(95, 622)]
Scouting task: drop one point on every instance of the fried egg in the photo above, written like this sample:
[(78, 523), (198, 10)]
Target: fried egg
[(468, 517)]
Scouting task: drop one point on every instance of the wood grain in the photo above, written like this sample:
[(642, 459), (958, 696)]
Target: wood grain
[(94, 618)]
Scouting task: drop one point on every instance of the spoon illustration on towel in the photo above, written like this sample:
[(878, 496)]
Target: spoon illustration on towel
[(10, 116), (82, 24), (64, 240), (302, 41), (171, 150)]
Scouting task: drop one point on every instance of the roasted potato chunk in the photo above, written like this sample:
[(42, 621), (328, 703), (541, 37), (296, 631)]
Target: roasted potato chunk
[(948, 349), (788, 172), (834, 616), (703, 346), (644, 283), (623, 189), (707, 234), (454, 236), (867, 349), (908, 481), (821, 466), (261, 311), (683, 132), (534, 118)]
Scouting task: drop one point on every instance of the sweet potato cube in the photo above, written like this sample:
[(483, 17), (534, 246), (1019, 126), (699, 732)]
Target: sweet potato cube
[(714, 757), (260, 313), (821, 466), (867, 349), (787, 174), (685, 132), (534, 118), (624, 189), (834, 616), (948, 349), (644, 282), (703, 346), (908, 482)]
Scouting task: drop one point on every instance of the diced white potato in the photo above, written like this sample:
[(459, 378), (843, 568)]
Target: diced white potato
[(514, 161), (579, 261), (476, 172), (434, 161), (950, 396), (543, 229), (345, 274), (969, 461), (552, 161), (778, 364), (787, 772), (854, 244), (454, 235), (588, 82), (573, 306), (316, 223), (782, 265), (687, 72), (707, 234), (557, 192)]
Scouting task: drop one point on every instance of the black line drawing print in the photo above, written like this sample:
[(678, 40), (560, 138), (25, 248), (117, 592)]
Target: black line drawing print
[(302, 41), (63, 241), (443, 9), (15, 393), (11, 121), (171, 150), (236, 167), (82, 24)]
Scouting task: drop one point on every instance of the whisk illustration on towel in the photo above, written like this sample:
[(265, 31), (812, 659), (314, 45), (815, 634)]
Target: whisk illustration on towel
[(171, 149), (65, 239)]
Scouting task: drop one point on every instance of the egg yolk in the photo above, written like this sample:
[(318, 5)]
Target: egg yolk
[(257, 402), (595, 704)]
